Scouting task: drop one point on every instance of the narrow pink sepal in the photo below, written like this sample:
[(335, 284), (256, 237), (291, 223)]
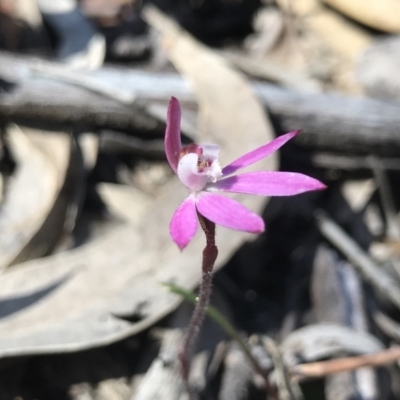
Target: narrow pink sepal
[(267, 183), (172, 140), (228, 213), (183, 225), (259, 153)]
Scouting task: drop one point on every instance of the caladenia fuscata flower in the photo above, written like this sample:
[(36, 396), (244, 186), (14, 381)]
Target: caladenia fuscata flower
[(198, 169)]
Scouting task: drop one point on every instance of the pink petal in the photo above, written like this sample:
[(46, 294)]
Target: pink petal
[(267, 183), (259, 153), (184, 223), (172, 141), (228, 213)]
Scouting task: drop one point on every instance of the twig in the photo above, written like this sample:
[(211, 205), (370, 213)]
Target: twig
[(65, 74), (353, 162), (288, 390), (367, 268), (387, 325), (324, 368)]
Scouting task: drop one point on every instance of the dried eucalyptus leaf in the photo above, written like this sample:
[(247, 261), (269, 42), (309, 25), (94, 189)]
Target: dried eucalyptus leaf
[(32, 214), (315, 342)]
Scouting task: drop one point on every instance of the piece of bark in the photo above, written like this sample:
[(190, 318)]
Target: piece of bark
[(329, 121), (336, 122), (52, 99), (69, 76)]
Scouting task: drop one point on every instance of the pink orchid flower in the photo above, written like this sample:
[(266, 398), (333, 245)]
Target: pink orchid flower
[(198, 169)]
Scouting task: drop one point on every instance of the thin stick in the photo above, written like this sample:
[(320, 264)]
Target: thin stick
[(323, 368), (380, 280), (65, 74)]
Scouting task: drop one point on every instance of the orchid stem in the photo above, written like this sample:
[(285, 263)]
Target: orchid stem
[(224, 324), (210, 254)]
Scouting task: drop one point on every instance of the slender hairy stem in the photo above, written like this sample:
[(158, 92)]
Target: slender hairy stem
[(210, 254), (214, 314)]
